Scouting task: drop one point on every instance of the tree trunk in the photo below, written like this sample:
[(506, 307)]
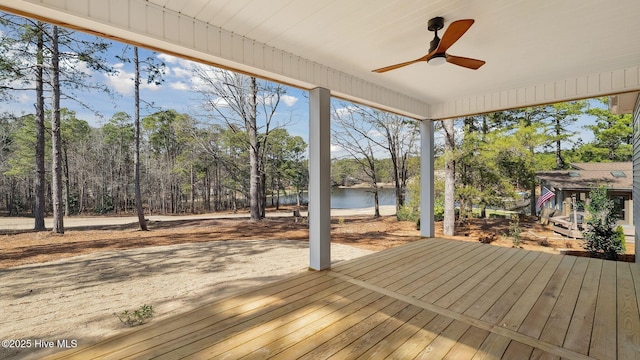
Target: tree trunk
[(40, 194), (142, 224), (449, 179), (254, 174), (67, 197), (376, 201), (58, 223)]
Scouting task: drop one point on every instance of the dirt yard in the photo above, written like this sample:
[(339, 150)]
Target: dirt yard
[(363, 232), (69, 286)]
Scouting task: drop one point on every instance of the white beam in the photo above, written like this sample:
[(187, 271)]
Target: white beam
[(567, 89), (427, 228), (319, 179)]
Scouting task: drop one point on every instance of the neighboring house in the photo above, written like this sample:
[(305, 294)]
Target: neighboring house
[(573, 186)]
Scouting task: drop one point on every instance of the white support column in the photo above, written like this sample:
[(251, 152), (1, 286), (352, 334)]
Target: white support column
[(319, 179), (427, 228)]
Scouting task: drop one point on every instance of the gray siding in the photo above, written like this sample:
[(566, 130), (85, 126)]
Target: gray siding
[(636, 174)]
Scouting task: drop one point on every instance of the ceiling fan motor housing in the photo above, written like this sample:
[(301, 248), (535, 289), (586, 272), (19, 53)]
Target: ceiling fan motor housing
[(435, 24)]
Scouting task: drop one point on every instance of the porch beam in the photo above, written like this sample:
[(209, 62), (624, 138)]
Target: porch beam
[(319, 179)]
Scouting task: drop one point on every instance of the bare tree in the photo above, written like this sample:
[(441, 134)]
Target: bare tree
[(136, 154), (352, 134), (397, 135), (56, 142), (41, 185), (239, 101)]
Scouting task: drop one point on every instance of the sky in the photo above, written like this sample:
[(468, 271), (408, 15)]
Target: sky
[(175, 92)]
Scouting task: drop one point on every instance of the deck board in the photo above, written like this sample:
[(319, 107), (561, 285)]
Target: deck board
[(537, 317), (430, 299), (559, 319), (577, 339), (604, 334), (628, 328)]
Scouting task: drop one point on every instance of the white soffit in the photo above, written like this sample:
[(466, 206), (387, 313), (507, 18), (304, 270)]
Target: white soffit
[(536, 51)]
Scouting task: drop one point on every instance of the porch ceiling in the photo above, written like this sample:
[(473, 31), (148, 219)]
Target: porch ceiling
[(535, 51)]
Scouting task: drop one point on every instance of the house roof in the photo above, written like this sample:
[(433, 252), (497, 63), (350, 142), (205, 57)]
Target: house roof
[(584, 176), (536, 52)]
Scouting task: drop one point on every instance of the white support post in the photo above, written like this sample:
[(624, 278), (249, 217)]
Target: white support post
[(319, 179), (427, 228)]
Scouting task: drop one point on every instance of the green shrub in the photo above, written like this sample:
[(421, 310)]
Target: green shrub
[(515, 230), (136, 317), (408, 213), (601, 238)]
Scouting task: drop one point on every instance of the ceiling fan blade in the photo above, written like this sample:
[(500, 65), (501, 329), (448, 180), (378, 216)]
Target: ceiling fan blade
[(455, 30), (397, 66), (465, 62)]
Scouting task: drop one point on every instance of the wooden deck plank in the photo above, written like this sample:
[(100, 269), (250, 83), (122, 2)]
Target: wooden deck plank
[(478, 291), (217, 344), (254, 298), (578, 335), (541, 355), (306, 338), (481, 276), (400, 263), (226, 321), (536, 319), (523, 286), (468, 344), (558, 322), (513, 319), (342, 334), (420, 339), (383, 348), (362, 344), (371, 261), (603, 337), (470, 271), (374, 262), (424, 282), (493, 347), (195, 335), (419, 271), (628, 315), (517, 350), (444, 342), (635, 274), (423, 259), (484, 303)]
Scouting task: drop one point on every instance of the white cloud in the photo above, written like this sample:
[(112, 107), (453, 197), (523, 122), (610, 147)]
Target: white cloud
[(122, 81), (25, 98), (340, 112), (181, 72), (169, 59), (374, 133), (335, 148), (179, 85), (289, 100)]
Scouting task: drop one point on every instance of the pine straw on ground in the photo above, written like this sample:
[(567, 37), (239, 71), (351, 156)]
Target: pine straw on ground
[(364, 232)]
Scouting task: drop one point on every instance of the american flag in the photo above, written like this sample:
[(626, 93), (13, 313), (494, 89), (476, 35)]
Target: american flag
[(545, 195)]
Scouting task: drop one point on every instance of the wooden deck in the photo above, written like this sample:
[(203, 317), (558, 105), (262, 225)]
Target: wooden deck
[(430, 299)]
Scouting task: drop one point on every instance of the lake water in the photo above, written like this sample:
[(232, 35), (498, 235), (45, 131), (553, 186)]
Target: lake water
[(349, 198)]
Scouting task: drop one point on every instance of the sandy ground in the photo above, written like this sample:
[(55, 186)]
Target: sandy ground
[(10, 224), (75, 298)]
